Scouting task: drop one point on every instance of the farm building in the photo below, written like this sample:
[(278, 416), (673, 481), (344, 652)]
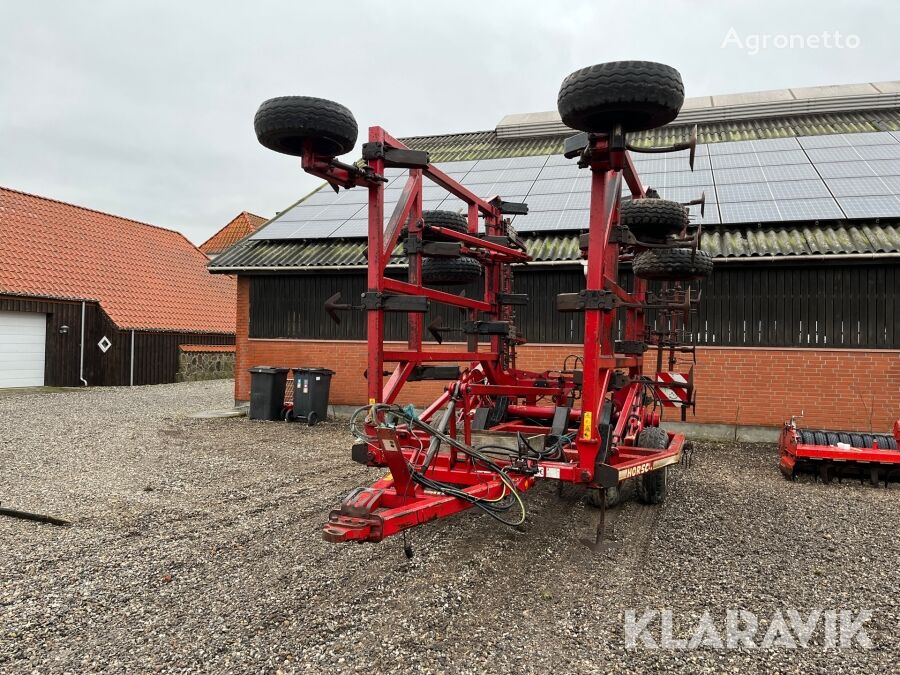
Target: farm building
[(87, 298), (802, 191), (242, 225)]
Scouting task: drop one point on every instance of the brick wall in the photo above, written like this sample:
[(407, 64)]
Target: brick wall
[(837, 388)]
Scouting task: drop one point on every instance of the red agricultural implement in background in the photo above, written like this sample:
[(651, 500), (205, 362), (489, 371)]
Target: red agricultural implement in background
[(593, 420), (840, 454)]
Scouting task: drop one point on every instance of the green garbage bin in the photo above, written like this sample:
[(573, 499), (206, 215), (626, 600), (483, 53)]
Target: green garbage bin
[(267, 386)]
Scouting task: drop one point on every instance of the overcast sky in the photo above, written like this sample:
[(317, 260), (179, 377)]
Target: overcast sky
[(145, 109)]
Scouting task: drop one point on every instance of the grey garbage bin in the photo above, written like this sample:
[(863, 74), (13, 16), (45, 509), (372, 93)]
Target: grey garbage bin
[(267, 386), (311, 388)]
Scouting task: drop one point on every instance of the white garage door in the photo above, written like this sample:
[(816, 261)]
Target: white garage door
[(23, 337)]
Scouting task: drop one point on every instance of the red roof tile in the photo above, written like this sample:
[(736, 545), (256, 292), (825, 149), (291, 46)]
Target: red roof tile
[(145, 277), (243, 224)]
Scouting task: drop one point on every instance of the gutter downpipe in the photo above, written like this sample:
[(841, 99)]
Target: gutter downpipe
[(84, 382), (131, 372)]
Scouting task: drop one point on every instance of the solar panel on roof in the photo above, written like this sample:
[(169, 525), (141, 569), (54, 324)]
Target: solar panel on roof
[(870, 138), (327, 212), (743, 192), (798, 189), (744, 175), (562, 171), (809, 209), (858, 187), (845, 169), (735, 161), (885, 167), (552, 220), (774, 144), (547, 202), (869, 152), (553, 186), (783, 157), (788, 172), (457, 167), (687, 193), (749, 212), (684, 178), (752, 179), (727, 147), (893, 183), (352, 228), (491, 164), (828, 141), (870, 207), (528, 162), (710, 213), (821, 155), (558, 160)]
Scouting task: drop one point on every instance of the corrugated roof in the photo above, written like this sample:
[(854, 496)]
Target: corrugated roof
[(720, 242), (869, 238), (145, 277)]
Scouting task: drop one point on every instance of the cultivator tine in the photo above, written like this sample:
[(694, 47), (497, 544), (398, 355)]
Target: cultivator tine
[(690, 144), (701, 201)]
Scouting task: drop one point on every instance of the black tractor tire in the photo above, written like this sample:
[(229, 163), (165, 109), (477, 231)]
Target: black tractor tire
[(450, 271), (284, 124), (672, 264), (639, 95), (652, 487), (653, 218), (446, 219)]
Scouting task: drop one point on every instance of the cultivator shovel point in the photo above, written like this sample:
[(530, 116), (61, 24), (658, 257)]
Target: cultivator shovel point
[(840, 454), (594, 421)]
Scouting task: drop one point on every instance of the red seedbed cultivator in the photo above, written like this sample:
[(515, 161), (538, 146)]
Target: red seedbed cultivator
[(840, 454), (593, 420)]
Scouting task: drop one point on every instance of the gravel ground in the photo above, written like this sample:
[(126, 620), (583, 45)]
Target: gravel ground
[(196, 547)]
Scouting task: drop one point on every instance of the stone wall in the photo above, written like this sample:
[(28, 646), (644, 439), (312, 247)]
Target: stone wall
[(205, 362)]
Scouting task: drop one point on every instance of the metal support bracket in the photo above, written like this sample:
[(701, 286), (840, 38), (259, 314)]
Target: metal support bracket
[(432, 249), (512, 208), (489, 328), (395, 157), (420, 373), (394, 303), (513, 298), (586, 299), (631, 347)]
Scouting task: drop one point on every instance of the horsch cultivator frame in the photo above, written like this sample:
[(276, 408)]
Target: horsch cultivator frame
[(592, 421)]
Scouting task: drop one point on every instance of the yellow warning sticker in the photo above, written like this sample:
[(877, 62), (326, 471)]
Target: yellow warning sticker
[(371, 401), (586, 426)]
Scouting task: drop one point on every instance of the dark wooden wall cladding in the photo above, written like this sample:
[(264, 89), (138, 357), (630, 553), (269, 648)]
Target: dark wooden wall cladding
[(155, 353), (752, 305)]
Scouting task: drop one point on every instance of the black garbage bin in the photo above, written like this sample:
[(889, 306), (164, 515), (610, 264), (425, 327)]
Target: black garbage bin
[(267, 392), (311, 387)]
